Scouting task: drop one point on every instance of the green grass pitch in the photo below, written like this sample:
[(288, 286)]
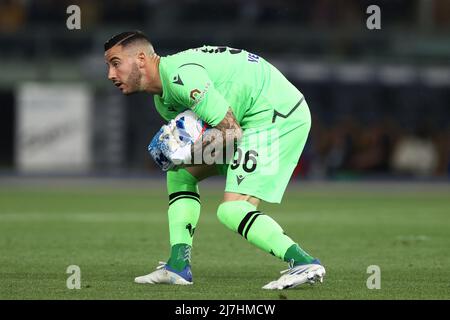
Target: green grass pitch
[(116, 233)]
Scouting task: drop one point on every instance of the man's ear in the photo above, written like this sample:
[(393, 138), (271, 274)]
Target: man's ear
[(141, 59)]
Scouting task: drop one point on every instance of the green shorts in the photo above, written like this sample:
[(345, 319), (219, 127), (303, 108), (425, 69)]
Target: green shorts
[(266, 156)]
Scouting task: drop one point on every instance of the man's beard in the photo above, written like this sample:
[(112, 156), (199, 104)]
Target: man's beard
[(134, 80)]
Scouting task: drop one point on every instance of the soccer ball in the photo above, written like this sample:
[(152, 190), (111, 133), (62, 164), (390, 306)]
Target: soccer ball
[(184, 130), (188, 127)]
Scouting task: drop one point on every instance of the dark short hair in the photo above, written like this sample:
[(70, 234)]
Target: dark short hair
[(125, 38)]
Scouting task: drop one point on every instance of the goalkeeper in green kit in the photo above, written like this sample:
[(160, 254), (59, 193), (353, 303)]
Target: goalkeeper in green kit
[(252, 110)]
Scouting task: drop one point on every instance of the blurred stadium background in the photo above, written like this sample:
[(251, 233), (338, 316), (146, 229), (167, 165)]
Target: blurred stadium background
[(379, 98), (78, 187)]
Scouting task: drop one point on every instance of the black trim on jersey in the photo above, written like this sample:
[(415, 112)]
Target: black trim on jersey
[(194, 64), (276, 113)]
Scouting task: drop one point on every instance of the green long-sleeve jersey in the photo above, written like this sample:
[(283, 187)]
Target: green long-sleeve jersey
[(209, 80)]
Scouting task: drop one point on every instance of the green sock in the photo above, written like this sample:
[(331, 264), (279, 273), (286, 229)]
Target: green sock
[(180, 256), (298, 255), (183, 214), (183, 217), (260, 230)]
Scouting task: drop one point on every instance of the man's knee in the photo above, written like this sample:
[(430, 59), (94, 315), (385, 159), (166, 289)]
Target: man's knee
[(181, 180), (232, 196), (232, 213), (201, 172)]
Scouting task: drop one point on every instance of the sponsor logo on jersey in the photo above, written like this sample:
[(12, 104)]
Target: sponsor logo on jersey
[(198, 95), (177, 80), (239, 179), (194, 93)]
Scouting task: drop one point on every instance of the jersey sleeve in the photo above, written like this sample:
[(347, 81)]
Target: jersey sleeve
[(191, 86), (163, 110)]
